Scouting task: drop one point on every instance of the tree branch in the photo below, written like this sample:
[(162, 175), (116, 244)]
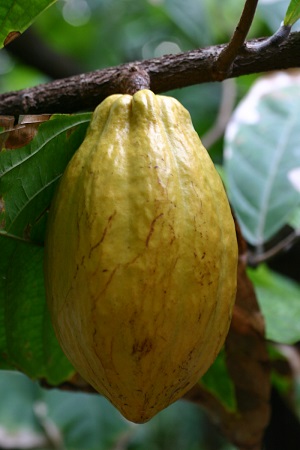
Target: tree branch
[(86, 91), (229, 53), (254, 259)]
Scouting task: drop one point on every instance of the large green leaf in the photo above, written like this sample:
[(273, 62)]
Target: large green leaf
[(262, 157), (28, 176), (279, 299), (17, 15), (27, 340)]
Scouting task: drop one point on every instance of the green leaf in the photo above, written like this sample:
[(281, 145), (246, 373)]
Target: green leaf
[(27, 340), (279, 299), (262, 157), (17, 15), (292, 13), (217, 381), (29, 175)]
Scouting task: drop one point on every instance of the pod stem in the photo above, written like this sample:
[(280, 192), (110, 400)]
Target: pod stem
[(133, 79)]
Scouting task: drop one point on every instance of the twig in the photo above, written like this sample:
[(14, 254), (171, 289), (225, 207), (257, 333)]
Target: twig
[(276, 39), (51, 430), (86, 91), (230, 52), (255, 259)]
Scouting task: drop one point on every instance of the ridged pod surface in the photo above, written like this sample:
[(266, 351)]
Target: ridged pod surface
[(141, 255)]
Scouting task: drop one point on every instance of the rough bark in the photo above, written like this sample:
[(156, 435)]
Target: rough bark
[(85, 91)]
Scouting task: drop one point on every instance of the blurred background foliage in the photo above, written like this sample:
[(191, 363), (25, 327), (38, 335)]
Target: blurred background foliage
[(36, 418), (85, 35)]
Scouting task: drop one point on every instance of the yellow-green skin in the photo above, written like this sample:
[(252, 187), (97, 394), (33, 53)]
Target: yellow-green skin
[(141, 255)]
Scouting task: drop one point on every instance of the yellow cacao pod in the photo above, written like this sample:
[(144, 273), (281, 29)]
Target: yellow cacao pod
[(141, 255)]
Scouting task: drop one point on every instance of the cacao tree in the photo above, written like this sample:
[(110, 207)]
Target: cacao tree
[(243, 97)]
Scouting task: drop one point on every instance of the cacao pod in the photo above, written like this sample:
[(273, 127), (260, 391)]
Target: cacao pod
[(141, 255)]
